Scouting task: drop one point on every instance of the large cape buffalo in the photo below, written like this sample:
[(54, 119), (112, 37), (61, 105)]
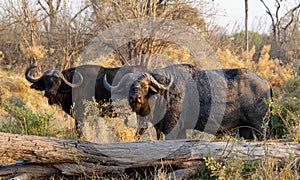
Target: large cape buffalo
[(180, 97), (60, 90)]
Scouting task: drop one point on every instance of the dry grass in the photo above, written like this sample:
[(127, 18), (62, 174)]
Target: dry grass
[(273, 70), (106, 129), (37, 52), (297, 133), (126, 134), (236, 168)]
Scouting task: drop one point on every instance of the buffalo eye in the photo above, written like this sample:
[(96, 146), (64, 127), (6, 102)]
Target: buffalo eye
[(144, 86), (52, 82)]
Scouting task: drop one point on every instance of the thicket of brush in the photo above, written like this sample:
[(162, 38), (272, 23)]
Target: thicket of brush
[(31, 34), (25, 111)]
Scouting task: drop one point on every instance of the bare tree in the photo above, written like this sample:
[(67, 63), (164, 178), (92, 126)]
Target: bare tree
[(246, 26), (61, 31), (110, 12), (51, 10), (27, 18), (51, 33), (281, 23)]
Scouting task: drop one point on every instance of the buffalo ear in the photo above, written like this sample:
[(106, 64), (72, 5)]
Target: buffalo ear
[(40, 85), (151, 91)]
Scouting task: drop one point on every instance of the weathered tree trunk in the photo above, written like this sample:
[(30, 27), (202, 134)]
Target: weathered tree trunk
[(39, 157)]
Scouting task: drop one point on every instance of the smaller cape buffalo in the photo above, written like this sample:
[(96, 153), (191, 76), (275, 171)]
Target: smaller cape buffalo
[(88, 79), (180, 97)]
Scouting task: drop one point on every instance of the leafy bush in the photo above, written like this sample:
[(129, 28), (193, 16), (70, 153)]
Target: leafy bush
[(290, 104), (232, 168), (286, 111), (255, 39), (236, 168), (26, 122)]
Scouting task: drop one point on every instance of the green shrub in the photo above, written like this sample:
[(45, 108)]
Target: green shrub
[(26, 122), (231, 168), (286, 110)]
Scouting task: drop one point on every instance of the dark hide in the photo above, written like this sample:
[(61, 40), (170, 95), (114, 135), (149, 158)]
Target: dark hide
[(58, 92), (243, 96), (213, 101)]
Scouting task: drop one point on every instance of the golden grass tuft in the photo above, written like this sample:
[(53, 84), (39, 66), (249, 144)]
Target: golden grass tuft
[(125, 133), (37, 52), (105, 129), (297, 133), (2, 56), (274, 70), (179, 54), (229, 60), (109, 61), (13, 85), (217, 169)]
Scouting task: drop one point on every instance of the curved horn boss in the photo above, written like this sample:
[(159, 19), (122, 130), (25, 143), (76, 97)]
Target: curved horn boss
[(28, 77), (148, 77), (73, 85)]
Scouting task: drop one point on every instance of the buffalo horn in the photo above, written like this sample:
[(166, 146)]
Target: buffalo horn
[(107, 86), (28, 77), (129, 77), (73, 85), (157, 84)]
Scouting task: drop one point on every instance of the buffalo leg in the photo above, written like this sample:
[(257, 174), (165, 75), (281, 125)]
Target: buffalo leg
[(159, 134)]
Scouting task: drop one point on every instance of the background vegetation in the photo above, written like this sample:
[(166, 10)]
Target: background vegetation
[(54, 33)]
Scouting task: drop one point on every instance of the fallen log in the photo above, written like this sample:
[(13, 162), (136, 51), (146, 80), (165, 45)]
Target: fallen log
[(35, 157)]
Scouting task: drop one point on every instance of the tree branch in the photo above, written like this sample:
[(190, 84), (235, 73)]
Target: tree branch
[(292, 16), (77, 158)]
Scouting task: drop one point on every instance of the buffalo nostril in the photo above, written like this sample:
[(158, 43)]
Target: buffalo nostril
[(135, 99)]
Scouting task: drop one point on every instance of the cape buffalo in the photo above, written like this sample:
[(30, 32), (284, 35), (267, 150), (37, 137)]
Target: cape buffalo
[(88, 84), (213, 101)]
